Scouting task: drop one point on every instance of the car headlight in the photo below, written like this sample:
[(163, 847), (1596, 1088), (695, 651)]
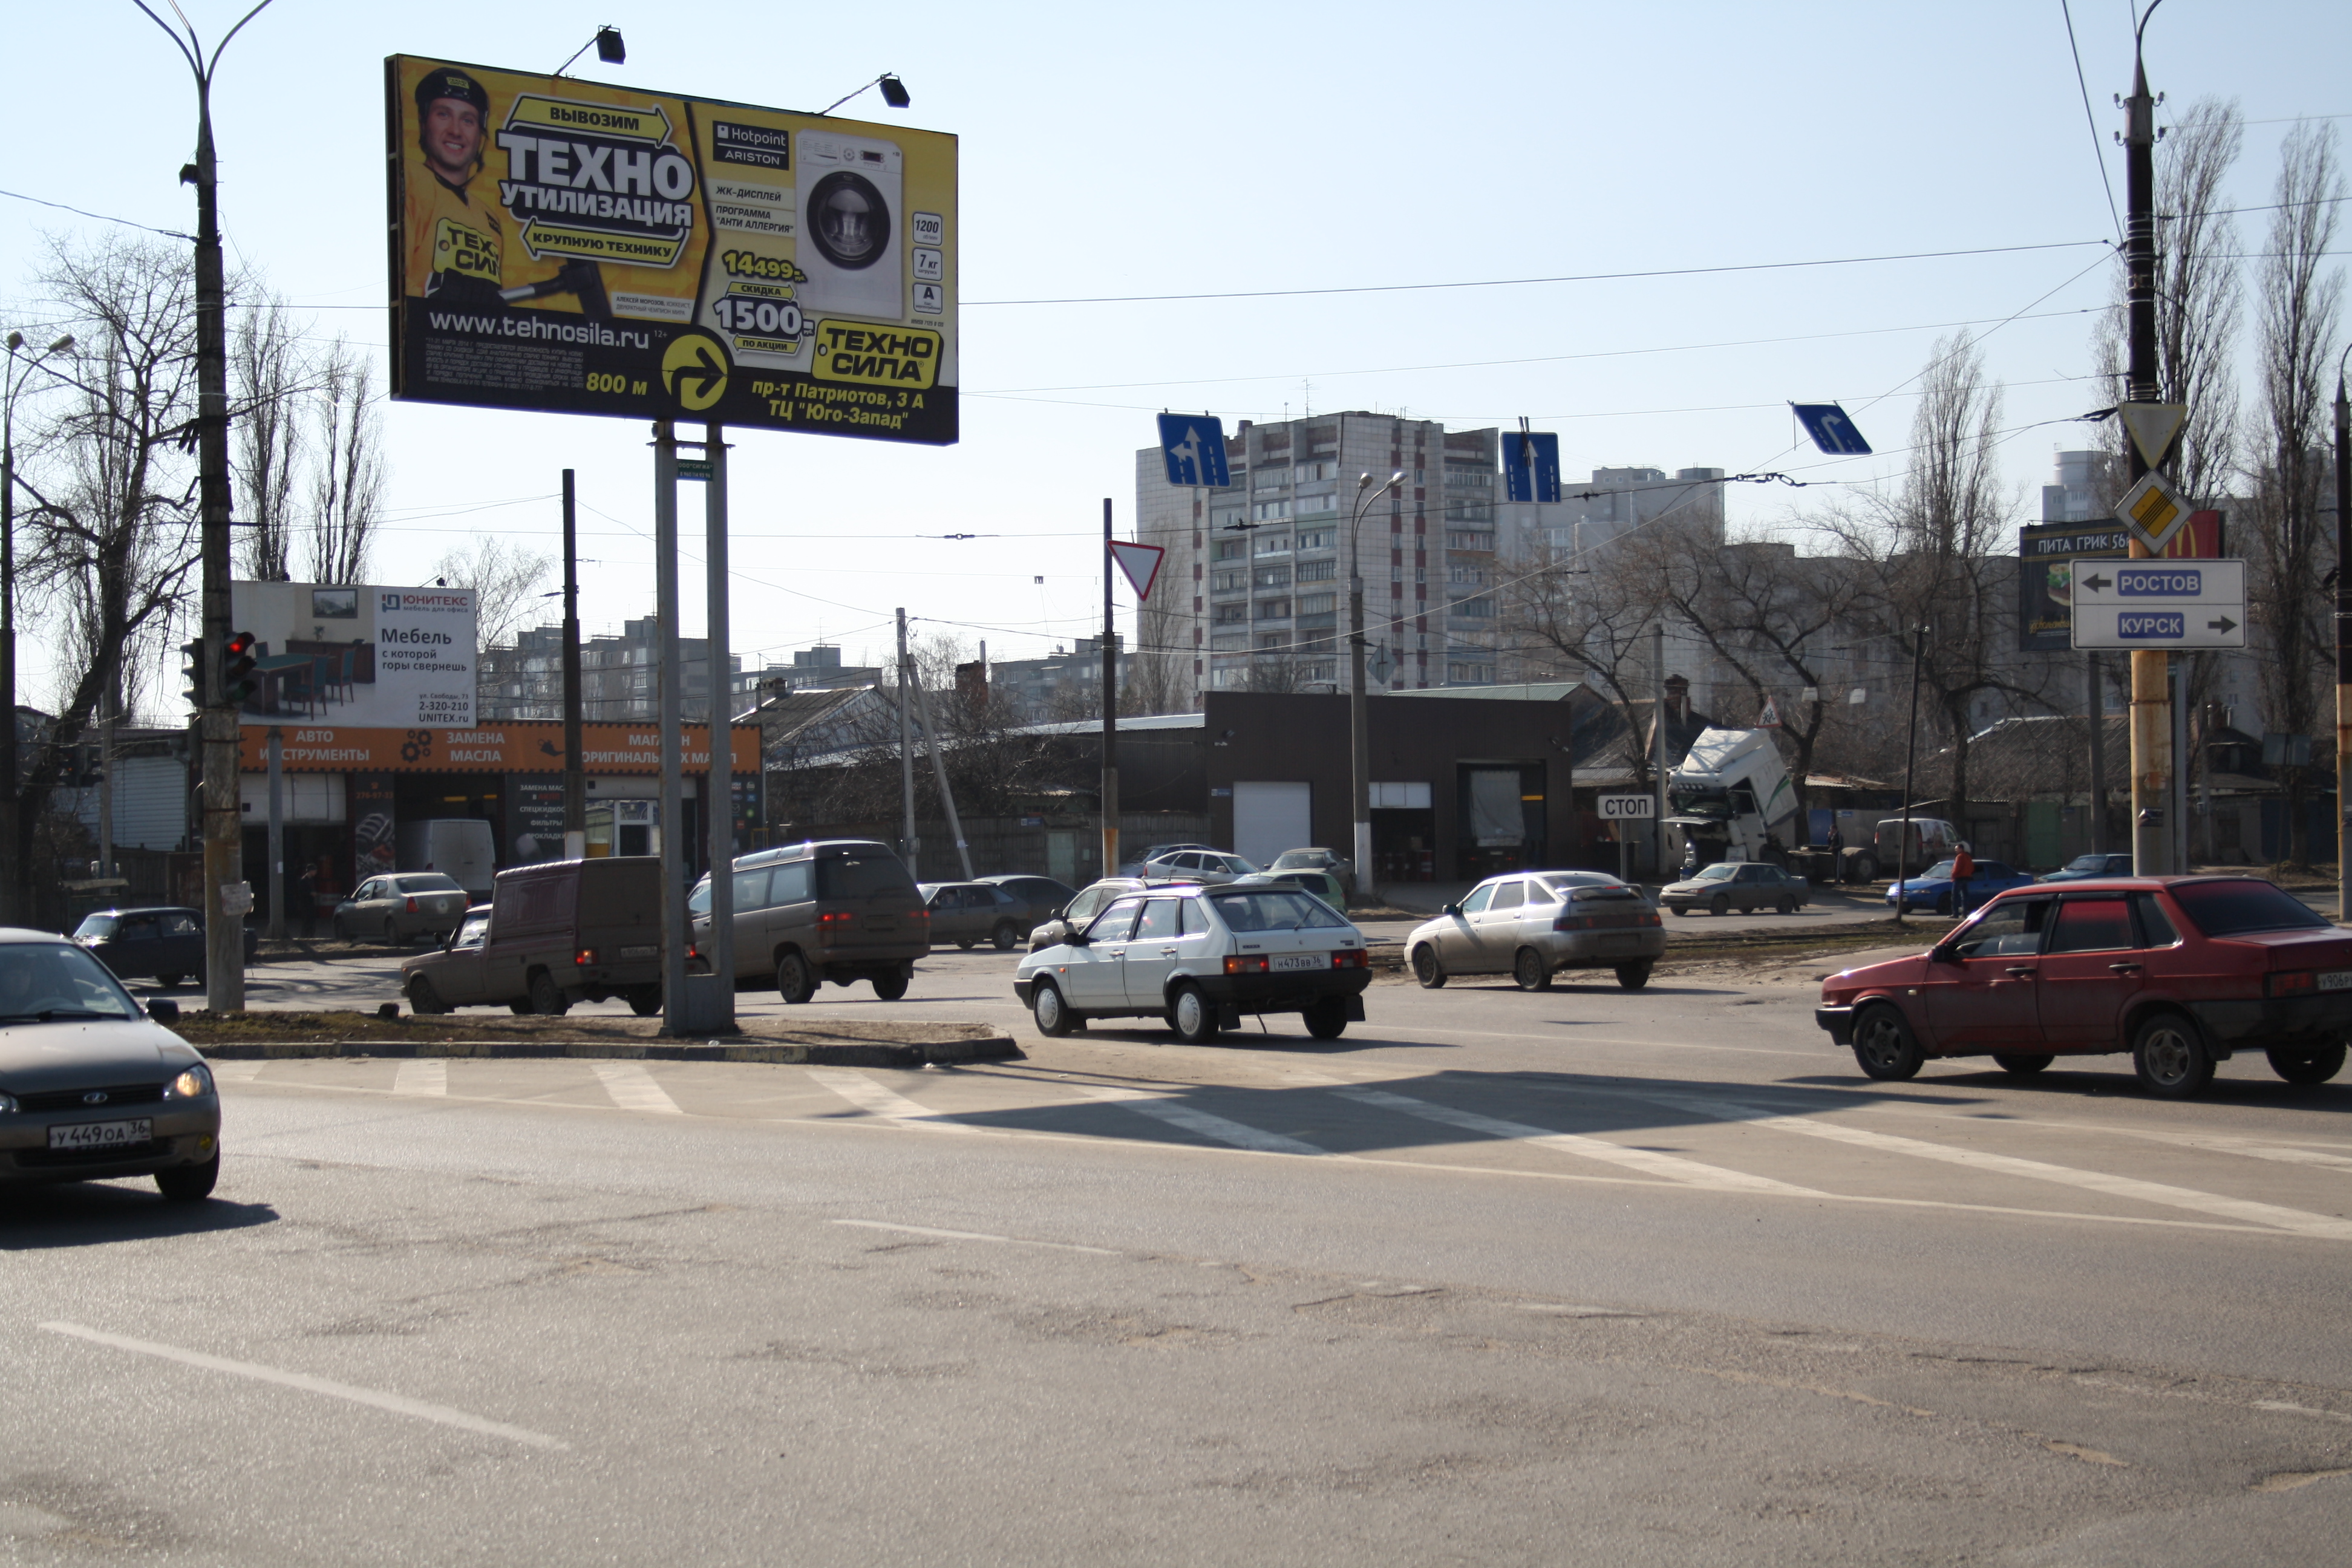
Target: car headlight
[(7, 1104), (192, 1084)]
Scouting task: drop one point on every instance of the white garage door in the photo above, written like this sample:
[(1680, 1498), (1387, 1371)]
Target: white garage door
[(1270, 817)]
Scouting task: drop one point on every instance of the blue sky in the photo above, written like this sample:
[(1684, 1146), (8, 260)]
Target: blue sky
[(1218, 148)]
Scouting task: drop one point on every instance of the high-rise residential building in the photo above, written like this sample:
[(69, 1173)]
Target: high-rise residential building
[(1253, 594), (1590, 516), (525, 680)]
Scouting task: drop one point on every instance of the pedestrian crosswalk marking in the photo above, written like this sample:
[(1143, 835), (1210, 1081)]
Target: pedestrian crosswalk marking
[(634, 1089), (1191, 1118), (877, 1100), (1667, 1167), (428, 1075), (237, 1072)]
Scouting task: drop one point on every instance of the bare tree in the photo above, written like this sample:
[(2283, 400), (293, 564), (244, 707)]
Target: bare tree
[(347, 484), (267, 380), (1588, 617), (2298, 309), (505, 577)]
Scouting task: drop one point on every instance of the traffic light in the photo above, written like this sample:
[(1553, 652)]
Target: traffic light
[(192, 670), (237, 682)]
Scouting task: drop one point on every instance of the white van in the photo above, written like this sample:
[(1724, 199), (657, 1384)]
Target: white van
[(459, 847), (1932, 839)]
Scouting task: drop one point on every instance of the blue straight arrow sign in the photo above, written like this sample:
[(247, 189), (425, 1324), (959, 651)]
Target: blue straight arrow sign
[(1194, 446), (1831, 431)]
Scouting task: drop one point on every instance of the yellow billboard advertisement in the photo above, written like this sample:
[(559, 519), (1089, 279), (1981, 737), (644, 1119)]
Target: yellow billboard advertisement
[(573, 247)]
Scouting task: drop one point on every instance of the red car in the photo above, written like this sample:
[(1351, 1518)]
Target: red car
[(2181, 972)]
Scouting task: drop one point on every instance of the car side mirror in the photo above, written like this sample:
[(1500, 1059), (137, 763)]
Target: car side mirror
[(1451, 909), (1072, 936), (163, 1010)]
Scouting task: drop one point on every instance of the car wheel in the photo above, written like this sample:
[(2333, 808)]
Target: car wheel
[(2315, 1066), (795, 983), (1052, 1015), (1884, 1046), (1633, 976), (169, 982), (1193, 1016), (2022, 1064), (1004, 936), (519, 1006), (546, 1000), (892, 987), (391, 932), (1426, 969), (189, 1184), (1326, 1019), (422, 1000), (645, 1001), (1786, 906), (1530, 971), (1683, 910), (2170, 1057), (964, 943), (1718, 905)]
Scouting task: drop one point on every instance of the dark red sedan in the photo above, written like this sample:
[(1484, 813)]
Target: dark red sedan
[(2181, 972)]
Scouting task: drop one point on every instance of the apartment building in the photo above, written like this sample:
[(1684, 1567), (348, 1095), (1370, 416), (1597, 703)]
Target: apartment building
[(525, 680)]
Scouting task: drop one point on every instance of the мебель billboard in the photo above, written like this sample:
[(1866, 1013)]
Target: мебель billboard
[(569, 246), (358, 655)]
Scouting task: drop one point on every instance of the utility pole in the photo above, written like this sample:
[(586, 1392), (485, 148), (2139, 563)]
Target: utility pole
[(228, 900), (1910, 770), (2151, 742), (1109, 714), (1658, 739), (2343, 645), (716, 1011), (575, 771), (910, 846), (2095, 703)]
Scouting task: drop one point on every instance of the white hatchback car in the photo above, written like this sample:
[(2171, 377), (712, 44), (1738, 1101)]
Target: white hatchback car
[(1200, 958)]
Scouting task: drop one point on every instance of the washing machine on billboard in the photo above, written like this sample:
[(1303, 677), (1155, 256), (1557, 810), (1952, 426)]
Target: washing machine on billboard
[(853, 226)]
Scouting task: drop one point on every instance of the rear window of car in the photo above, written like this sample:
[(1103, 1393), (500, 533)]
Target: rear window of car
[(863, 876), (2232, 908), (1271, 909), (435, 883)]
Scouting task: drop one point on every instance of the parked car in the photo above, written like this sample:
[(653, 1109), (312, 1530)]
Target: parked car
[(1201, 958), (1931, 840), (1083, 906), (403, 906), (1042, 898), (1210, 866), (2181, 972), (1329, 860), (843, 910), (1935, 889), (1135, 867), (161, 941), (1743, 885), (462, 847), (969, 912), (552, 934), (1530, 925), (2083, 866), (91, 1089), (1322, 884)]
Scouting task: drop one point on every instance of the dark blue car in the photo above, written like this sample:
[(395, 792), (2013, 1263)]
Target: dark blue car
[(1932, 889), (2083, 866)]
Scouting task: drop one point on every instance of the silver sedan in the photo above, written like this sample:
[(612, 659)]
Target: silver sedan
[(1530, 925)]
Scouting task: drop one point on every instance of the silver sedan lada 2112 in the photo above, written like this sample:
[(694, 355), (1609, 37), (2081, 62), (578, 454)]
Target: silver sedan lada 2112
[(1531, 925)]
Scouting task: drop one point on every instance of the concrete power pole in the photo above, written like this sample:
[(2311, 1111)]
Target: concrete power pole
[(2343, 645), (2151, 738)]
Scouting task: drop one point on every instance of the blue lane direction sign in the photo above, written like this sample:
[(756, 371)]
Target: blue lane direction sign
[(1194, 446), (1530, 465), (1831, 431), (2157, 604)]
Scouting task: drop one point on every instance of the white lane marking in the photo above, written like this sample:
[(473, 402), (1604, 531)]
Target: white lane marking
[(399, 1404), (2244, 1210), (975, 1236), (1666, 1167), (1163, 1108), (634, 1089), (886, 1104), (424, 1075), (237, 1072)]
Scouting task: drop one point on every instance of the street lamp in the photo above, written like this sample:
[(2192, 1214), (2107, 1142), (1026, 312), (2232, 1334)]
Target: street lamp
[(1358, 734), (11, 848), (893, 93)]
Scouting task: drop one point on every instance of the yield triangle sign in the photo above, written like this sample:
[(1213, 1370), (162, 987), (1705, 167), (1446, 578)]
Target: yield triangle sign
[(1140, 563), (2154, 428)]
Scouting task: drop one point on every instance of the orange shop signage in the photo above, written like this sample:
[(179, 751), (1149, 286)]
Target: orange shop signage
[(525, 748)]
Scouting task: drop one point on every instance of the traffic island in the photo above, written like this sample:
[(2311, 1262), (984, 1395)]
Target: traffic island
[(288, 1035)]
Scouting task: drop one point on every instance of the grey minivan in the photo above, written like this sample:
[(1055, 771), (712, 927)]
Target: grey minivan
[(842, 909)]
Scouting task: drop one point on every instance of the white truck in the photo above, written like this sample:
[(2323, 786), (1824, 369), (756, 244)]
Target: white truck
[(458, 847), (1731, 800)]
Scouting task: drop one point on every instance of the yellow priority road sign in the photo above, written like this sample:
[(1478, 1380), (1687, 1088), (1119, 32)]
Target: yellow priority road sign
[(2153, 511)]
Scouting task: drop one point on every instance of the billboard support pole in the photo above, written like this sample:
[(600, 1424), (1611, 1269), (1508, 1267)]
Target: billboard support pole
[(674, 846), (277, 834), (1109, 714), (718, 1012), (575, 771)]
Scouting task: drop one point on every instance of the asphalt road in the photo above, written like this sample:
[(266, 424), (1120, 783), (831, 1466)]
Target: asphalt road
[(1583, 1275)]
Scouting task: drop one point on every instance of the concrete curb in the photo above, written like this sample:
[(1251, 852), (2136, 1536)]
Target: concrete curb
[(875, 1054)]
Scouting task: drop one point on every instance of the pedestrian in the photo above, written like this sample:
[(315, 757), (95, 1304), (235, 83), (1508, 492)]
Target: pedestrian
[(1690, 858), (306, 896), (1964, 865), (1837, 839)]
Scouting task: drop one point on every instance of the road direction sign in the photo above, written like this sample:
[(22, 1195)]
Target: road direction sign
[(2158, 604), (1628, 807), (1831, 431), (2153, 511), (1194, 446), (1140, 563), (2154, 426)]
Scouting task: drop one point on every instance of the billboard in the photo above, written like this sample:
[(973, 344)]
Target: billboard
[(2046, 602), (358, 654), (569, 246)]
